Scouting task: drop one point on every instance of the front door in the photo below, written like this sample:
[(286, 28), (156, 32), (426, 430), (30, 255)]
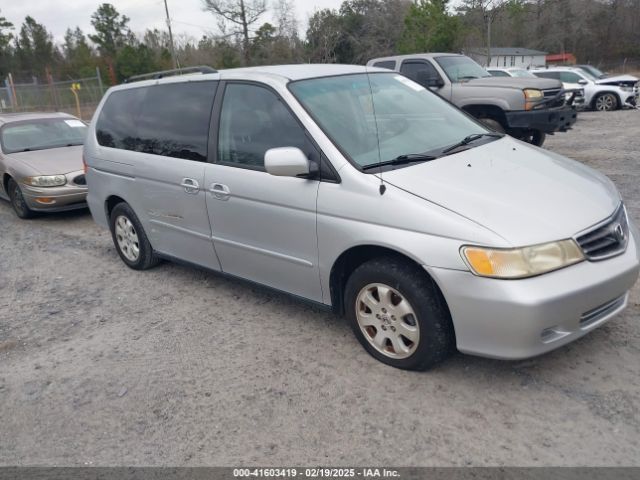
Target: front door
[(264, 227)]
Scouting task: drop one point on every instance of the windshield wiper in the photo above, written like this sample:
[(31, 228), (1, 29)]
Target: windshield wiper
[(471, 138), (402, 160)]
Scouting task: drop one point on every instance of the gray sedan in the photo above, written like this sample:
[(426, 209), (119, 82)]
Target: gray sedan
[(41, 162)]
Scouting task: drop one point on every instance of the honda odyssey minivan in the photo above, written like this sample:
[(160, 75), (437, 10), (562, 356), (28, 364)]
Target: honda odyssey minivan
[(358, 189)]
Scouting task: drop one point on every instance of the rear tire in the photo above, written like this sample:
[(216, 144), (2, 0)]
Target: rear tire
[(398, 314), (18, 202), (130, 239)]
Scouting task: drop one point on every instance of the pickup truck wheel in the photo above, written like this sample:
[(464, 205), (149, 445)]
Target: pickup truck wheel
[(535, 137), (398, 314), (606, 102), (493, 124)]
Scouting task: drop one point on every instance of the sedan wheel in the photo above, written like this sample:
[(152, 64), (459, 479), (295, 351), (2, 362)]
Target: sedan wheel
[(606, 102), (17, 201)]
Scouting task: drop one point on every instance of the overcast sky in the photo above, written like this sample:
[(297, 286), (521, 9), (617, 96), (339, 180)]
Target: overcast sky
[(187, 15)]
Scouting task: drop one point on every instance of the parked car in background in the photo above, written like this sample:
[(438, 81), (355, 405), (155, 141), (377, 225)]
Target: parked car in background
[(599, 94), (359, 189), (525, 108), (510, 72), (41, 162), (574, 94)]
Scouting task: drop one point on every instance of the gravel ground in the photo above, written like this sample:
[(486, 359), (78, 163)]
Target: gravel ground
[(101, 365)]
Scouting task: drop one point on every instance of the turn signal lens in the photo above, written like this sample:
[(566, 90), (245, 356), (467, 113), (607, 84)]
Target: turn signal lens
[(521, 262)]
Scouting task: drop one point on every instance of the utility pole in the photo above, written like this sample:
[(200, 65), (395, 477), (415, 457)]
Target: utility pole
[(487, 18), (176, 63)]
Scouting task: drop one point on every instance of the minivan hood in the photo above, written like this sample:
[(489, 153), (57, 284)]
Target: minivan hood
[(522, 193), (52, 161), (516, 82)]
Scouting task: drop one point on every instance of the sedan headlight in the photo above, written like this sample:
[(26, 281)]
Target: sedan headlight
[(521, 262), (626, 88), (46, 181)]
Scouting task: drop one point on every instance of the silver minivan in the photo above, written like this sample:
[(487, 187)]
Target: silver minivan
[(360, 190)]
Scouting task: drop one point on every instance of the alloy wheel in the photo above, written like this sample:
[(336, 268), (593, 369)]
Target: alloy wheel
[(387, 320), (606, 103), (127, 238)]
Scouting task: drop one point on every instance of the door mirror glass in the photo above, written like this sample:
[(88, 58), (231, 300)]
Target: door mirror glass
[(583, 82), (286, 162)]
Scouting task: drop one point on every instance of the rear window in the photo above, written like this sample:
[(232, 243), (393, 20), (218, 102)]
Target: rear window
[(388, 64), (170, 120)]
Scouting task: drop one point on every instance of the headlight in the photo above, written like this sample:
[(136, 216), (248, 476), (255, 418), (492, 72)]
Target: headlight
[(625, 88), (46, 181), (521, 262), (532, 94)]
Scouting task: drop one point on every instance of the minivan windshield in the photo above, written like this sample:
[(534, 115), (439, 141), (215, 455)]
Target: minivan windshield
[(461, 68), (376, 118), (25, 136)]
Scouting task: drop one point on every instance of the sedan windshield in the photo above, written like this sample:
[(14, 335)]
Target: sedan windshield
[(522, 73), (461, 69), (28, 135), (383, 117)]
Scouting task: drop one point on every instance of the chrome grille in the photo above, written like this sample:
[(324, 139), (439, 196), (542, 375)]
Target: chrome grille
[(608, 239), (551, 93)]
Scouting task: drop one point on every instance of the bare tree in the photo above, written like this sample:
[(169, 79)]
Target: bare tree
[(241, 13), (489, 9)]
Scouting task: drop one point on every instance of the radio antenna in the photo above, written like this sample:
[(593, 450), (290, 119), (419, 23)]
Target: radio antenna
[(383, 187)]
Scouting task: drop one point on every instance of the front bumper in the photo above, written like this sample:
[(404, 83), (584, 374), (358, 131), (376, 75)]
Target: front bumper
[(548, 120), (54, 199), (515, 319)]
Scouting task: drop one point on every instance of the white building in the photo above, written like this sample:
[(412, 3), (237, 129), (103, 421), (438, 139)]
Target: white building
[(509, 57)]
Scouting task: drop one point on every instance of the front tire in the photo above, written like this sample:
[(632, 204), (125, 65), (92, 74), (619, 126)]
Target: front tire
[(130, 239), (18, 202), (605, 102), (492, 124), (398, 314)]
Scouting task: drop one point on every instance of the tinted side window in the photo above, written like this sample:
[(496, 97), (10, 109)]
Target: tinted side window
[(117, 123), (554, 75), (388, 64), (419, 72), (170, 120), (253, 120), (569, 77)]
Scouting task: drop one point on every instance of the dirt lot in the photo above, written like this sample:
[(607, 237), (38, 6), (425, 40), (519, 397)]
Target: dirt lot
[(101, 365)]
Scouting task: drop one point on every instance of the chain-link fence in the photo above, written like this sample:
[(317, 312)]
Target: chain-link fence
[(78, 97)]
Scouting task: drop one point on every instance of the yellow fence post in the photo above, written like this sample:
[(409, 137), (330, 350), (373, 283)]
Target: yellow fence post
[(75, 87)]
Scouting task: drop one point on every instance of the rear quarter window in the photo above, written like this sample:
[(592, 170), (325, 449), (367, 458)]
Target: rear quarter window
[(170, 120)]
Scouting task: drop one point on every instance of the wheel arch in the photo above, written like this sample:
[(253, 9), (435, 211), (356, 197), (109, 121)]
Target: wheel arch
[(487, 111), (599, 94), (5, 182), (355, 256), (111, 202)]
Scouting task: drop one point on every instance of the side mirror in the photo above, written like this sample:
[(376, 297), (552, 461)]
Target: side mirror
[(583, 82), (286, 162)]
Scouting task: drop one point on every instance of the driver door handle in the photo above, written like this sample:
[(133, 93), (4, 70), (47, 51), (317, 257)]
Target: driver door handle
[(220, 191), (190, 185)]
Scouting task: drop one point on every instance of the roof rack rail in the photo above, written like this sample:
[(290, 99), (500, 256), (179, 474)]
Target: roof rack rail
[(170, 73)]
